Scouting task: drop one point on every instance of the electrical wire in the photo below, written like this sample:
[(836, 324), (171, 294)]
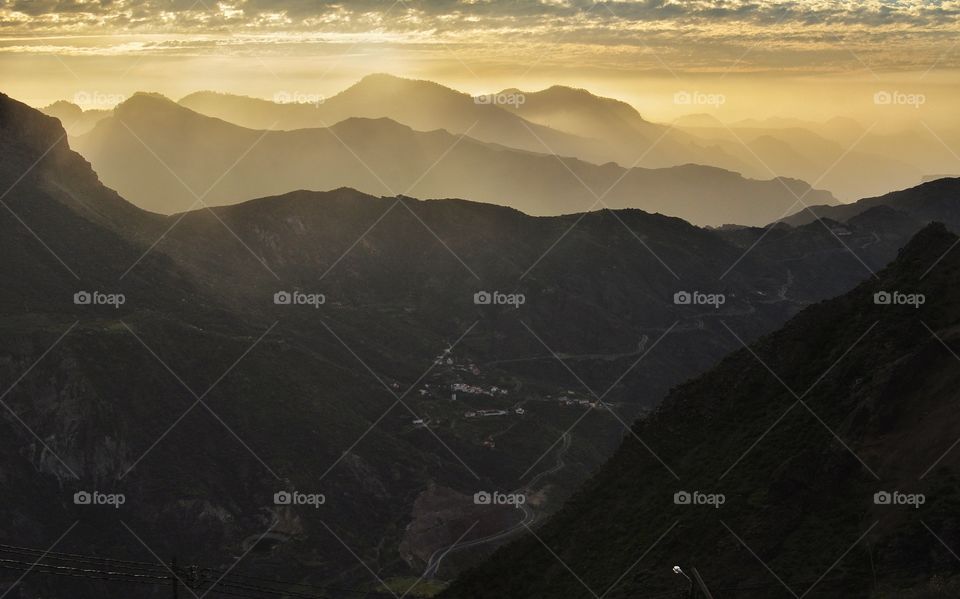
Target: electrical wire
[(220, 581)]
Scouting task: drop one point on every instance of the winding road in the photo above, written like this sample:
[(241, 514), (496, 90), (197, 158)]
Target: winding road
[(529, 516), (557, 467)]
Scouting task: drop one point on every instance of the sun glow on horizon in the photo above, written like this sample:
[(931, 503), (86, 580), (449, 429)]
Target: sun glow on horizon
[(812, 60)]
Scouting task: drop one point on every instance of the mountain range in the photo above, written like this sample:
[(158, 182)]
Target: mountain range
[(163, 157), (307, 396), (850, 159), (114, 400), (559, 120)]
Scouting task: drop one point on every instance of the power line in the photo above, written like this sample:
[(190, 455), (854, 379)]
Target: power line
[(77, 558), (118, 570), (227, 583), (81, 572), (223, 587)]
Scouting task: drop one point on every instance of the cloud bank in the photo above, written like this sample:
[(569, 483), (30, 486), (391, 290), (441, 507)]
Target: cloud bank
[(809, 35)]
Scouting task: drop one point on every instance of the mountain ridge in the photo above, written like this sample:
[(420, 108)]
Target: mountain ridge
[(916, 201), (382, 156)]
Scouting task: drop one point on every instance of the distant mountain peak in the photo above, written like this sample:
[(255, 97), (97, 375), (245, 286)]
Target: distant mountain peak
[(380, 77), (573, 91), (64, 106), (387, 80), (211, 93), (380, 125), (154, 95), (74, 118), (145, 100), (577, 98), (151, 106)]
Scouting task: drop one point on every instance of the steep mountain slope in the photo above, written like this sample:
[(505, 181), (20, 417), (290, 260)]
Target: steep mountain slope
[(797, 433), (931, 201), (148, 135), (55, 209), (100, 397)]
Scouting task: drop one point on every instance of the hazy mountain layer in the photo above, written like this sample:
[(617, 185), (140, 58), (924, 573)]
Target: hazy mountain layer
[(850, 159), (559, 120), (421, 105), (163, 156)]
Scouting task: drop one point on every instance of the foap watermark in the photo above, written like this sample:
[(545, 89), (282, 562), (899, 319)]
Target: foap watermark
[(898, 298), (697, 498), (914, 500), (697, 298), (498, 498), (293, 498), (298, 298), (698, 98), (514, 99), (91, 99), (898, 98), (496, 298), (97, 298), (114, 500), (295, 97)]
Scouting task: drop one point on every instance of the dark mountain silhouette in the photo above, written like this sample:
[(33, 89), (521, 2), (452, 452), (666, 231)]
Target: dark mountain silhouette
[(799, 483), (932, 201), (162, 156)]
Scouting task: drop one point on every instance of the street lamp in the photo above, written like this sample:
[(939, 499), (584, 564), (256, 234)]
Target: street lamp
[(679, 570)]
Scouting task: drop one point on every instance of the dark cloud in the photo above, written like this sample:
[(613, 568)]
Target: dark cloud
[(526, 11)]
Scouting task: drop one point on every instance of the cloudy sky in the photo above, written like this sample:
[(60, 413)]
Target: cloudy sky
[(770, 55)]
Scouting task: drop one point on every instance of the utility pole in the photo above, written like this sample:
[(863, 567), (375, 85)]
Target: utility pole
[(173, 578), (701, 584)]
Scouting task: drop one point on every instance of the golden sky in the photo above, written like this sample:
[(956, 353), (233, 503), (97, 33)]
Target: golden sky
[(806, 58)]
